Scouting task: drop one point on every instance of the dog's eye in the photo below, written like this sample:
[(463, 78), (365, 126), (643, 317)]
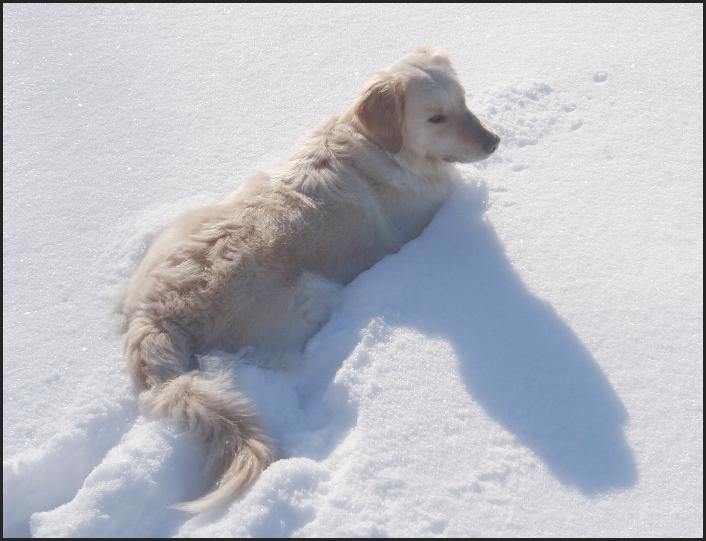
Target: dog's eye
[(438, 119)]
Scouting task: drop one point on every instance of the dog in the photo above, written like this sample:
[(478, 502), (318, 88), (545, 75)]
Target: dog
[(262, 269)]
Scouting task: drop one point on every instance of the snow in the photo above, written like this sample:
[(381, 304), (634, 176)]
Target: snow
[(531, 365)]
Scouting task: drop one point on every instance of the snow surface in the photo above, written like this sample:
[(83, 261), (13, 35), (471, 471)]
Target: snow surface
[(531, 365)]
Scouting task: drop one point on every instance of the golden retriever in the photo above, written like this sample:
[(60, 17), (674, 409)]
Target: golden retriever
[(262, 268)]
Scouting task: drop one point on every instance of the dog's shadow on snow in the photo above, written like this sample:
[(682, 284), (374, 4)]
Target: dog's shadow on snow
[(517, 357)]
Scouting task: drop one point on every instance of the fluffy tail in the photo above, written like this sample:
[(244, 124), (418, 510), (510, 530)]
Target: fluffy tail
[(158, 359)]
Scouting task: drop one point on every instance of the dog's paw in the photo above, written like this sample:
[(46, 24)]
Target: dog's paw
[(316, 298)]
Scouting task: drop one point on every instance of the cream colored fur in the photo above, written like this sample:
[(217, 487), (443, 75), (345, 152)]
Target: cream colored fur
[(262, 269)]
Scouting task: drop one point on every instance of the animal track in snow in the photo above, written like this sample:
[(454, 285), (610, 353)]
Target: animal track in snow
[(600, 76), (523, 115)]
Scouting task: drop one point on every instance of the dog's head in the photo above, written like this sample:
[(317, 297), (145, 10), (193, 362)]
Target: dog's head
[(419, 105)]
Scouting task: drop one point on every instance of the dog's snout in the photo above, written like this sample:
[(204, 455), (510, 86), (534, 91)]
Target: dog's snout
[(491, 143), (480, 133)]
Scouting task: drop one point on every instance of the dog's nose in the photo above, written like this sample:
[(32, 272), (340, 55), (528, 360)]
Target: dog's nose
[(491, 144)]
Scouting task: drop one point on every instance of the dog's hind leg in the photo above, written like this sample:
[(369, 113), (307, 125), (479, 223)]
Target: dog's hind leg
[(156, 353)]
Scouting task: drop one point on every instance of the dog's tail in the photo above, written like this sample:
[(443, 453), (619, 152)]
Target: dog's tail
[(159, 356)]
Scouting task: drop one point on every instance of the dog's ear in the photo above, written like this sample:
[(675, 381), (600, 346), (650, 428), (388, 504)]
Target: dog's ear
[(380, 109)]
